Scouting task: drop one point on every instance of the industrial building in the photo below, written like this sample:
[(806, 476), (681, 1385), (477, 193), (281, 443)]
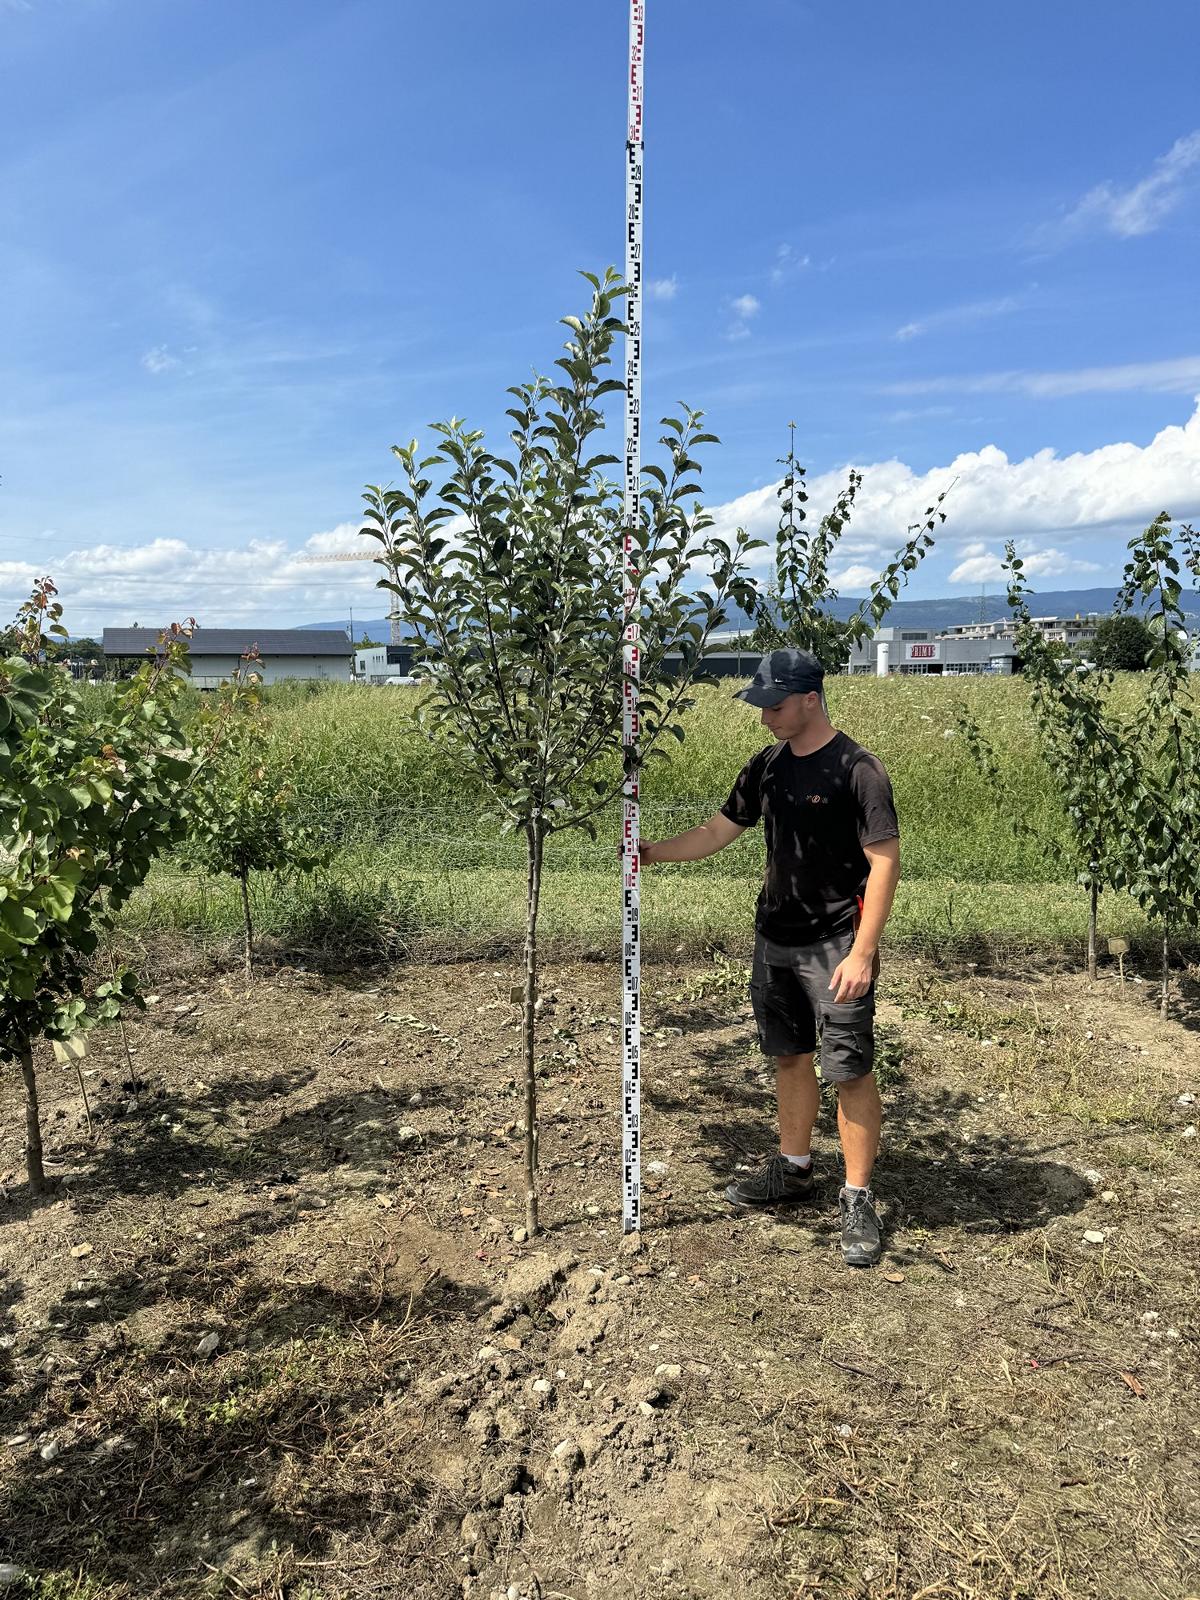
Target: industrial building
[(921, 650), (972, 648), (324, 654)]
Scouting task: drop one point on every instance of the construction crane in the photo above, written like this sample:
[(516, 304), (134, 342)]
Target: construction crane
[(395, 628)]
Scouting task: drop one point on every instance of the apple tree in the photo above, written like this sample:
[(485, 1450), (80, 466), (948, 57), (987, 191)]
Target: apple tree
[(507, 570)]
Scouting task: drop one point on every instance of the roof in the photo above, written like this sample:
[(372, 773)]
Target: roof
[(271, 642)]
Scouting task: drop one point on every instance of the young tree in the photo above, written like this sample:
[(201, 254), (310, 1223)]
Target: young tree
[(1122, 643), (510, 578), (1084, 746), (1161, 797), (243, 816), (87, 802), (796, 608)]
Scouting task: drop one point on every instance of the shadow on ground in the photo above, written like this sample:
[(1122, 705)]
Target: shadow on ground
[(932, 1170), (172, 1464)]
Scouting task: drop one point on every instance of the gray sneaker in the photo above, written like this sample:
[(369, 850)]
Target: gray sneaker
[(780, 1183), (862, 1231)]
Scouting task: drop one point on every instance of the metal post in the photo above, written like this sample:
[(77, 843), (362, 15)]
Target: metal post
[(631, 1087)]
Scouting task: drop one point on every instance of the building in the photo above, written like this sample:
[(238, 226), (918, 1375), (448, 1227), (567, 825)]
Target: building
[(324, 654), (921, 650), (1056, 630), (384, 663)]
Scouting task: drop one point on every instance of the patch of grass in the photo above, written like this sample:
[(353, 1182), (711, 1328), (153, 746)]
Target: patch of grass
[(1048, 1067), (419, 864), (363, 768), (1147, 1156), (285, 1438), (889, 1055), (69, 1586), (1094, 1102), (384, 901)]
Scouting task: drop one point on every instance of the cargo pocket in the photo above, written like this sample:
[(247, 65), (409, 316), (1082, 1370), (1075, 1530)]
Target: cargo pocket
[(847, 1049)]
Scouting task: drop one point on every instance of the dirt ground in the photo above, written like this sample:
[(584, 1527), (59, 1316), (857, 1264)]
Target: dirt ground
[(272, 1336)]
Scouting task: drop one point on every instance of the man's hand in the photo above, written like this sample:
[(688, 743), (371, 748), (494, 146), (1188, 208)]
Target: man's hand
[(852, 978)]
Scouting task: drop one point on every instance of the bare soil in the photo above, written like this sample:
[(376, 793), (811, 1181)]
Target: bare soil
[(272, 1334)]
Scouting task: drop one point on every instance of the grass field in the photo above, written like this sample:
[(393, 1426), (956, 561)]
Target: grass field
[(420, 865)]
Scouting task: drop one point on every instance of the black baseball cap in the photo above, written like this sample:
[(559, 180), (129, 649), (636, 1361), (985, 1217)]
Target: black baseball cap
[(782, 673)]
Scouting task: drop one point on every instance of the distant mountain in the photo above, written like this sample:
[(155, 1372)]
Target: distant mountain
[(370, 628), (934, 614)]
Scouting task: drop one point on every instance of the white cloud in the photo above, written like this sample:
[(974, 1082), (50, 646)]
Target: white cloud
[(915, 413), (268, 582), (745, 307), (787, 263), (1179, 375), (1068, 514), (1073, 497), (663, 288), (165, 579), (958, 316), (1142, 207), (337, 541), (159, 360), (1049, 563), (856, 578), (104, 560)]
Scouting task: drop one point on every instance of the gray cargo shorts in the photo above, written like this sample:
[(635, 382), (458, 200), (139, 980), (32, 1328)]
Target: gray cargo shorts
[(793, 1003)]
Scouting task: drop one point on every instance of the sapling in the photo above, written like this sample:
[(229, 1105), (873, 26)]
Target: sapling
[(88, 801), (1161, 797), (507, 572), (796, 608), (244, 816)]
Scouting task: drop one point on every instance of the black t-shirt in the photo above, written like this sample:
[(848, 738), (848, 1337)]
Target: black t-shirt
[(817, 812)]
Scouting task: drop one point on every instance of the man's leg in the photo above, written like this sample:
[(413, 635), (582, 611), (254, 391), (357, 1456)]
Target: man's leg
[(788, 1176), (799, 1098), (860, 1115), (787, 1030), (847, 1059)]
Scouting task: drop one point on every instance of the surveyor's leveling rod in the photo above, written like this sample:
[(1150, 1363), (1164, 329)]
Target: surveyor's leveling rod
[(631, 1088)]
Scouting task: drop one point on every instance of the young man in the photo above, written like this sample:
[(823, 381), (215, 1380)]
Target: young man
[(833, 861)]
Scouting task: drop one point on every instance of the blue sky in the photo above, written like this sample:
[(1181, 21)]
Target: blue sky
[(249, 246)]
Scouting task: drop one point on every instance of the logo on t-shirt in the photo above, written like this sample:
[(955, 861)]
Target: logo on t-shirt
[(817, 799)]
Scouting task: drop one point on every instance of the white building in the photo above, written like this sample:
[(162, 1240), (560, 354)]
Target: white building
[(921, 650), (216, 653), (1056, 630), (384, 663)]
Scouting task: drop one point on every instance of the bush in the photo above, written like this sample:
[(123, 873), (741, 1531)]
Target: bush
[(373, 921)]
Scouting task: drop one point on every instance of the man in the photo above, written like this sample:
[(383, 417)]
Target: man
[(833, 862)]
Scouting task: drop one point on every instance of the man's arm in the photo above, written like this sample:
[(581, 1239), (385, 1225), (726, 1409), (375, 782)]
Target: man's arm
[(696, 843), (854, 976)]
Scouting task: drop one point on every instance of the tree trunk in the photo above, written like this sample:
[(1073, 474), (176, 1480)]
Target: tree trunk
[(1166, 974), (244, 880), (535, 841), (33, 1126), (1092, 919)]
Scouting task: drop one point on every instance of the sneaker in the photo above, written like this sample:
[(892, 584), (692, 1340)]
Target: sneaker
[(862, 1232), (780, 1183)]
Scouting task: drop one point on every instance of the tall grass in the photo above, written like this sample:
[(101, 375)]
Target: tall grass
[(419, 862), (364, 770)]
